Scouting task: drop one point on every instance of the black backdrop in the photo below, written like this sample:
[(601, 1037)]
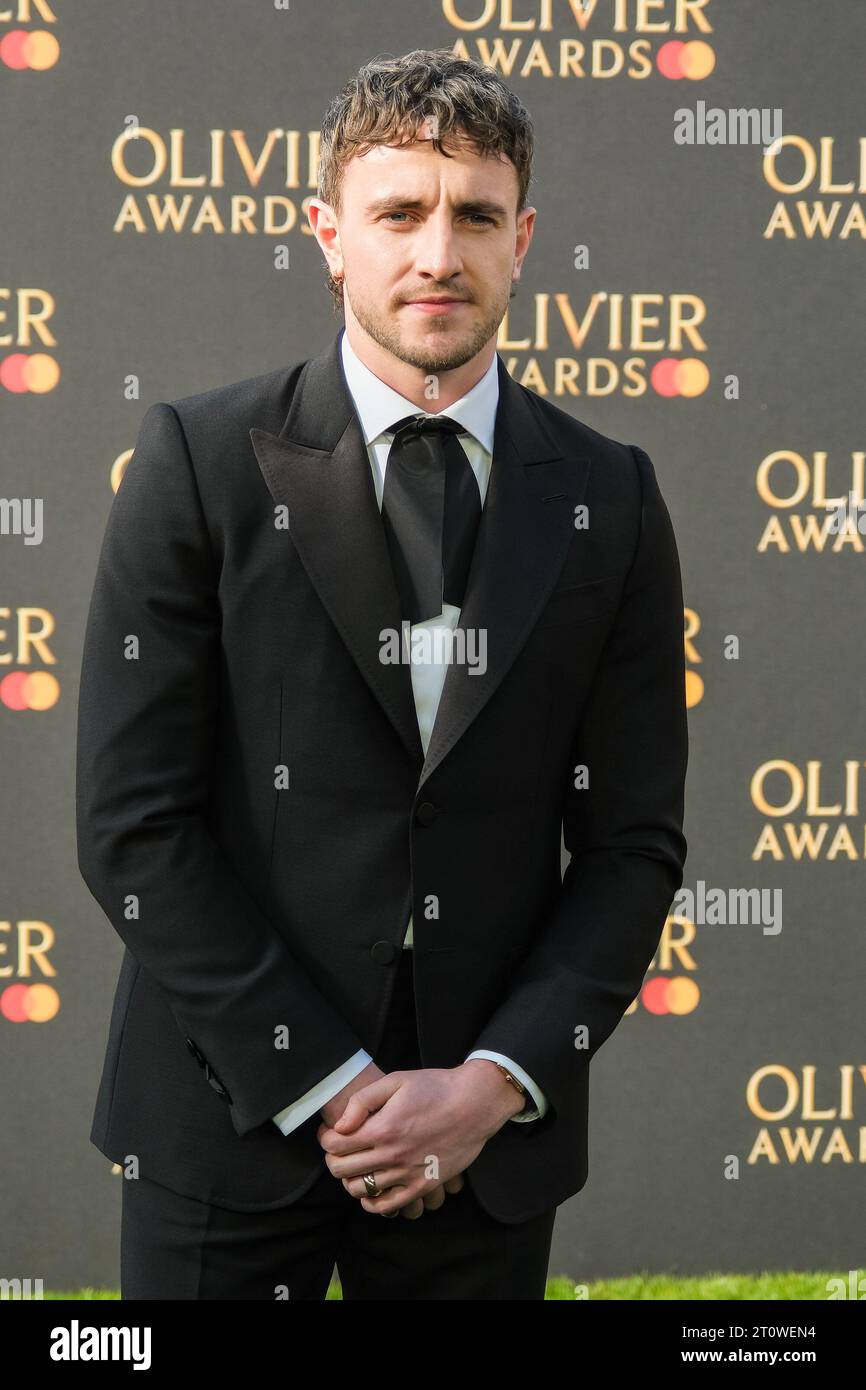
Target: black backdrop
[(728, 1112)]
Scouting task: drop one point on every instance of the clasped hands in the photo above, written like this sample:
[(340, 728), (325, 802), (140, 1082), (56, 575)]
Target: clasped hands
[(392, 1124)]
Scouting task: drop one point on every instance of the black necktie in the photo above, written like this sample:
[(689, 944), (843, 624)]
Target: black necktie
[(431, 507)]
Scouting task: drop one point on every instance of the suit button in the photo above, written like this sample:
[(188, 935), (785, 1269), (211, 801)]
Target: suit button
[(426, 813), (213, 1080), (383, 952)]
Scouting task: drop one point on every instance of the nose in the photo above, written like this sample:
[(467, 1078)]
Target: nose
[(436, 249)]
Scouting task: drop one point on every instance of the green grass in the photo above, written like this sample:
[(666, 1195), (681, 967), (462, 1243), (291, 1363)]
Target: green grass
[(734, 1287)]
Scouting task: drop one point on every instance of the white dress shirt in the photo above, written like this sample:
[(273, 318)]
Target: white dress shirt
[(378, 407)]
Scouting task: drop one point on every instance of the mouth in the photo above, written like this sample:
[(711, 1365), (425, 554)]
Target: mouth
[(435, 306)]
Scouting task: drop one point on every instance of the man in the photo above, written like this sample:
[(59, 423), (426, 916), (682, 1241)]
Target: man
[(356, 985)]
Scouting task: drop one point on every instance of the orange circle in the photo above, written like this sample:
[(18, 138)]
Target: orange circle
[(42, 372), (118, 468), (694, 689), (683, 995), (41, 49), (42, 1003), (41, 690), (692, 377), (697, 60)]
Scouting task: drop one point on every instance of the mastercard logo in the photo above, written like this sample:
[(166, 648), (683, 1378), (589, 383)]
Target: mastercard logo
[(38, 372), (23, 48), (694, 689), (671, 376), (29, 1003), (694, 60), (676, 995), (36, 690)]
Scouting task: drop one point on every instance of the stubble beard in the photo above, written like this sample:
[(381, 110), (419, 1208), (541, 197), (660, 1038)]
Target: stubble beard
[(385, 329)]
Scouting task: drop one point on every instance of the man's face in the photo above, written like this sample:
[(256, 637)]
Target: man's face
[(428, 246)]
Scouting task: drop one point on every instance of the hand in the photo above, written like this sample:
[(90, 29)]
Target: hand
[(333, 1110), (395, 1125), (431, 1201)]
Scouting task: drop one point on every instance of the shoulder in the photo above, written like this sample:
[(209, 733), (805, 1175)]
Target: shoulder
[(225, 414), (621, 465)]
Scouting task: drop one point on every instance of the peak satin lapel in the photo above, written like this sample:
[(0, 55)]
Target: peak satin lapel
[(318, 467), (336, 528)]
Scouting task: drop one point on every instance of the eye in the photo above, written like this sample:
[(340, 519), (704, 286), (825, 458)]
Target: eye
[(478, 216)]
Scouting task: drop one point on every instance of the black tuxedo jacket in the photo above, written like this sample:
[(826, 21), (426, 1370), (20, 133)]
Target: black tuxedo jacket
[(223, 645)]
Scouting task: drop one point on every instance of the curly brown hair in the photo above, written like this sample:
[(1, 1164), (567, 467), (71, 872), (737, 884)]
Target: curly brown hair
[(390, 99)]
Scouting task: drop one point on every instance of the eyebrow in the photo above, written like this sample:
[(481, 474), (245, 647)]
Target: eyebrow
[(393, 202)]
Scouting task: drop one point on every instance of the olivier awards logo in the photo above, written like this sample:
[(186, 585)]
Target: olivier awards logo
[(24, 323), (600, 39), (812, 813), (670, 986), (213, 181), (610, 343), (28, 50), (24, 996), (818, 188), (807, 1119), (22, 688), (805, 515)]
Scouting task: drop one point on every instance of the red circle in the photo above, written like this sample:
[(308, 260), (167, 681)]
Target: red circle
[(654, 995), (668, 59), (12, 51), (13, 1003), (12, 690), (663, 376), (13, 372)]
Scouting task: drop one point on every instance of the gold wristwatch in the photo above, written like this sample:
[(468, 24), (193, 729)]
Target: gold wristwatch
[(519, 1084)]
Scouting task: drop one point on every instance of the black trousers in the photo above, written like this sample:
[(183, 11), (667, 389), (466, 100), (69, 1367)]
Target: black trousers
[(174, 1247)]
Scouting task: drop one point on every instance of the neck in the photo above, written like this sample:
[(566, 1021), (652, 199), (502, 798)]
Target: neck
[(413, 382)]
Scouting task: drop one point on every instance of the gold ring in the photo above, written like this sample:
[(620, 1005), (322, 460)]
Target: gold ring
[(373, 1188)]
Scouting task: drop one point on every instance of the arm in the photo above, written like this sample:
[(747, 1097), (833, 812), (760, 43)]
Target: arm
[(624, 831), (145, 751), (529, 1112), (306, 1105)]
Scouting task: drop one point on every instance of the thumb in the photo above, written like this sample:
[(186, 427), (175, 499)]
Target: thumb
[(367, 1100)]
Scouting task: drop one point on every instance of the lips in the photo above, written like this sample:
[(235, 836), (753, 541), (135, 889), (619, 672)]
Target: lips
[(434, 303)]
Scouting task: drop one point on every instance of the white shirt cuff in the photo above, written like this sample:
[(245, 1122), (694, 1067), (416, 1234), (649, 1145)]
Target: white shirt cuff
[(325, 1090)]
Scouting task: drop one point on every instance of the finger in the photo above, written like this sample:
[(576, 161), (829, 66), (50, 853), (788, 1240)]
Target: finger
[(413, 1210), (366, 1101), (391, 1202), (373, 1160), (385, 1178), (454, 1184), (354, 1115), (433, 1200), (363, 1139)]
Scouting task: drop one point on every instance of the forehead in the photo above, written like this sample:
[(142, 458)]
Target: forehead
[(418, 168)]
